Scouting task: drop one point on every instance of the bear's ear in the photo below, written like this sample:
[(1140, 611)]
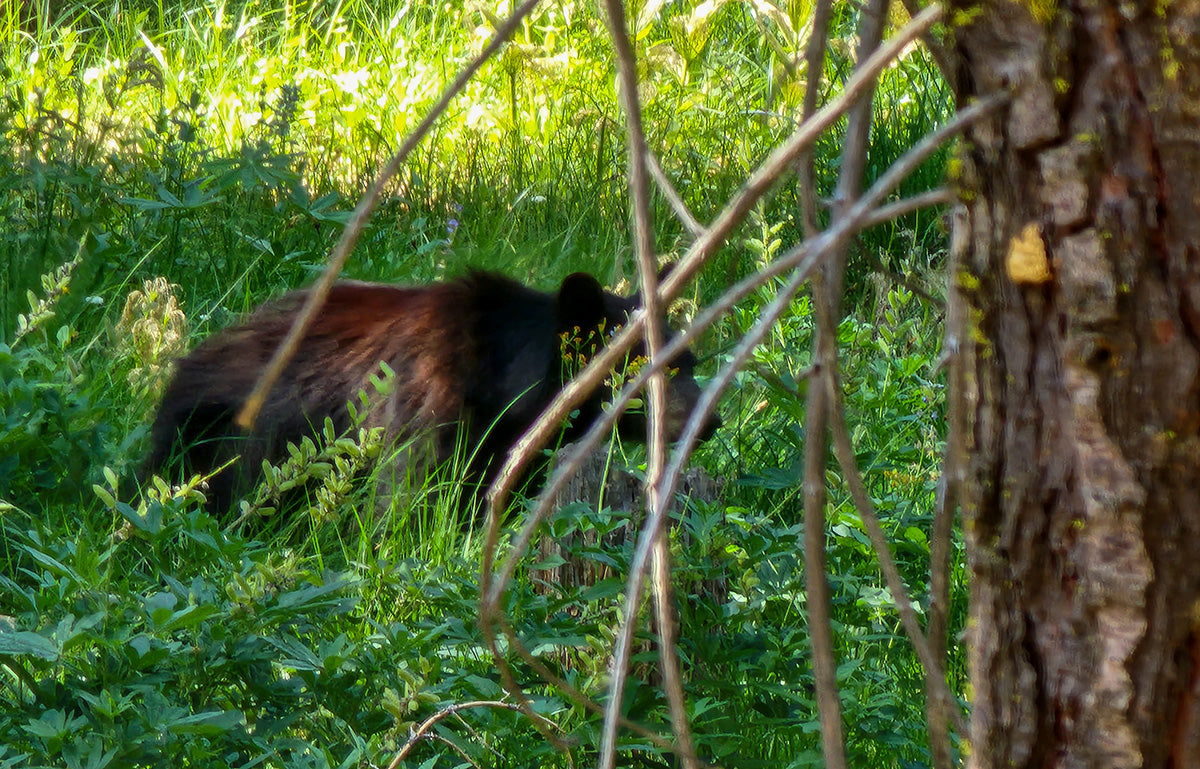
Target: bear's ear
[(580, 302)]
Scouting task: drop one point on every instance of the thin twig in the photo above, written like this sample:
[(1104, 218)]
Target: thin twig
[(786, 154), (816, 414), (814, 56), (415, 736), (450, 744), (937, 709), (358, 220), (807, 257), (564, 687), (816, 583), (896, 209), (656, 437), (804, 257), (938, 51)]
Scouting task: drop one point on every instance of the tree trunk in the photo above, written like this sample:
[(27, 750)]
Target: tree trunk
[(1082, 280)]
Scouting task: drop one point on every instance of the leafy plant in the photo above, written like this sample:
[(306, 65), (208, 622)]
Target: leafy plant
[(50, 429)]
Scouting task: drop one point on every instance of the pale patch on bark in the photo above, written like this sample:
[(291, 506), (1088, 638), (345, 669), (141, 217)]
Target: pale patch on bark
[(1087, 280), (1033, 119), (1064, 190), (1115, 568)]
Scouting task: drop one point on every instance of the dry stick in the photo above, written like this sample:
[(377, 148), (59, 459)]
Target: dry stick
[(759, 183), (827, 292), (816, 582), (805, 258), (854, 153), (786, 154), (358, 220), (450, 710), (935, 197), (656, 437), (814, 55), (573, 455), (820, 624), (938, 711), (708, 316), (726, 302), (843, 448), (860, 217), (462, 753), (565, 687), (493, 588), (798, 257)]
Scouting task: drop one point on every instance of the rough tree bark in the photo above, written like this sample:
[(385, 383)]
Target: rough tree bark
[(1082, 283)]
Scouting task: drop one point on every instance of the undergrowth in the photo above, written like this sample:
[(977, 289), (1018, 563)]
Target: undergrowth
[(165, 167)]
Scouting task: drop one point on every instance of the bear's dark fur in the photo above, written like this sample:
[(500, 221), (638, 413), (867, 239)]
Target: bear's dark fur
[(483, 354)]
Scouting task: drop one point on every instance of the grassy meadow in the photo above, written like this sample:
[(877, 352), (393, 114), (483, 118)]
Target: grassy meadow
[(166, 167)]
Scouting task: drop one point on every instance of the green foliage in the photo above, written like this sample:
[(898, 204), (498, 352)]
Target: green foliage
[(894, 406), (50, 429), (172, 642), (184, 161)]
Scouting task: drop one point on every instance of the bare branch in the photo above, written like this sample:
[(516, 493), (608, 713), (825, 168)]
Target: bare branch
[(656, 437), (461, 753), (818, 412), (564, 687), (786, 154), (820, 627), (816, 585), (421, 730), (664, 609), (358, 220), (804, 257), (938, 708), (814, 56), (937, 197)]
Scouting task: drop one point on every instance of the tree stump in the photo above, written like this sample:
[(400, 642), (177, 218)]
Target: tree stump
[(600, 485)]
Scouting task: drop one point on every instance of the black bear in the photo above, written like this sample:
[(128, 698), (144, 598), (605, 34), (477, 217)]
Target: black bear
[(478, 357)]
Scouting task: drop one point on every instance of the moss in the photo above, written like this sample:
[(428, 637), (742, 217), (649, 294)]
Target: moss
[(1043, 11)]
